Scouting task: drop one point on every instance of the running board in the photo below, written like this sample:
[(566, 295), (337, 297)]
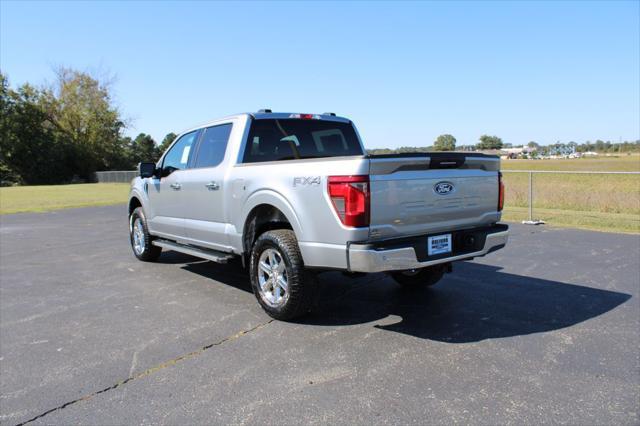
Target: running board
[(213, 255)]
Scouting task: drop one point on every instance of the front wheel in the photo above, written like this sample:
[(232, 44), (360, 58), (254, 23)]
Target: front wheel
[(140, 237), (420, 278), (281, 284)]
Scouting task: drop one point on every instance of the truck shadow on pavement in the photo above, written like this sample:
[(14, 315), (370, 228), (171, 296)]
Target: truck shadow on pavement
[(474, 303)]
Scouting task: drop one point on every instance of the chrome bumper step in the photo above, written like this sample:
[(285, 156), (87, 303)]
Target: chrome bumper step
[(213, 255), (363, 259)]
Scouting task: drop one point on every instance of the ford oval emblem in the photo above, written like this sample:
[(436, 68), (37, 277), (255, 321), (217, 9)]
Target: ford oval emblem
[(443, 188)]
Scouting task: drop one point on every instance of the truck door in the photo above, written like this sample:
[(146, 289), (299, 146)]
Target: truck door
[(166, 193), (203, 186)]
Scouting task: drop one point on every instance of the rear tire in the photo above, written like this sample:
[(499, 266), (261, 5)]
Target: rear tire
[(140, 238), (420, 278), (283, 287)]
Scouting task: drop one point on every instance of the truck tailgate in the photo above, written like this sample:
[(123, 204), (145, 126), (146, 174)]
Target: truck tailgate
[(423, 194)]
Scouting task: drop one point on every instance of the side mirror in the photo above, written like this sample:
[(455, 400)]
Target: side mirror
[(147, 170)]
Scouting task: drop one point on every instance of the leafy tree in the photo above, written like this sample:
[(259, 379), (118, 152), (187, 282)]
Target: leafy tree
[(489, 142), (143, 148), (533, 145), (48, 135), (166, 142), (81, 108), (7, 133), (31, 151), (445, 143)]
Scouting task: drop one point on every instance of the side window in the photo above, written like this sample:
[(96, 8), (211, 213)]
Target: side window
[(178, 156), (213, 146)]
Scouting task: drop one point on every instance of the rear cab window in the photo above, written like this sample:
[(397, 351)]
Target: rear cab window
[(291, 139)]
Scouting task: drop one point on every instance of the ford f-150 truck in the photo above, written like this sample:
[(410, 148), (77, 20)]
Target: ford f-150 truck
[(294, 194)]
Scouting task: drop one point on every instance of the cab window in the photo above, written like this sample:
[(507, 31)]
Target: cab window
[(177, 157), (213, 146)]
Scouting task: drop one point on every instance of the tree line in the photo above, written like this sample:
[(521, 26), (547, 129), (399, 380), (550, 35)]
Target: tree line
[(448, 142), (66, 131), (444, 142)]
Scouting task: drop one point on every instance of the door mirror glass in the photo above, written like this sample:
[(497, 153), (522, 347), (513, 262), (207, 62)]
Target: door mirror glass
[(147, 170)]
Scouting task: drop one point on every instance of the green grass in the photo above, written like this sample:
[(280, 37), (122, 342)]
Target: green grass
[(22, 199), (601, 202), (599, 193)]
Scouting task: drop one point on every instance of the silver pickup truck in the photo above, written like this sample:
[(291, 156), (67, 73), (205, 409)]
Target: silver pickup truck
[(295, 194)]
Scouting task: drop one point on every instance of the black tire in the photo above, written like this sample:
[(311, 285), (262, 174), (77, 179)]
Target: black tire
[(300, 284), (420, 278), (149, 252)]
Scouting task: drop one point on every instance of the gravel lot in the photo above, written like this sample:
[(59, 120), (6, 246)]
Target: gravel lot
[(546, 330)]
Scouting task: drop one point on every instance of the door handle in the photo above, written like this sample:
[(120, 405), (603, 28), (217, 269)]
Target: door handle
[(212, 186), (176, 186)]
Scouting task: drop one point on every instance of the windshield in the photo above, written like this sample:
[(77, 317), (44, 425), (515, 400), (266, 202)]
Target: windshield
[(288, 139)]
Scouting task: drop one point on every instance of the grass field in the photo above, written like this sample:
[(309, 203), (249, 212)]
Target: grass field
[(20, 199), (601, 202)]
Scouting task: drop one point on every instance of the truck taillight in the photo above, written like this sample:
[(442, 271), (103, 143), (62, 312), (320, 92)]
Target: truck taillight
[(350, 199), (500, 193)]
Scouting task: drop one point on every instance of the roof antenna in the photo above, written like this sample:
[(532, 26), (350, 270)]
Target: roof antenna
[(264, 111)]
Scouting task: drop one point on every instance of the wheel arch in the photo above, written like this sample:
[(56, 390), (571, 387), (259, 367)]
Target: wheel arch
[(134, 203), (262, 218), (268, 198)]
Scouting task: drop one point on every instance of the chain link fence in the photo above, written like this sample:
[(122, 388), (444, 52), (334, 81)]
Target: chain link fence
[(604, 200), (116, 176)]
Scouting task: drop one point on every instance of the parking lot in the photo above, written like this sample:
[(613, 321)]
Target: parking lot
[(546, 330)]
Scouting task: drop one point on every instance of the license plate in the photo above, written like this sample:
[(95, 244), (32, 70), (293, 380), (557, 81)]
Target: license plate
[(439, 244)]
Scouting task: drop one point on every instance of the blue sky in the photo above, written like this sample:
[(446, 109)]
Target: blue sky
[(404, 72)]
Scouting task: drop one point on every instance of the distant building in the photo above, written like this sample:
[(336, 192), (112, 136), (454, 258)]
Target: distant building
[(518, 152), (561, 150)]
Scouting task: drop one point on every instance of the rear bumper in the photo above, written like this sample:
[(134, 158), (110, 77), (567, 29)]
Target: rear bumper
[(411, 253)]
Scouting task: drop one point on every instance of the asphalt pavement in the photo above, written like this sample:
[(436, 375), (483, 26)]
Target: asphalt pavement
[(546, 330)]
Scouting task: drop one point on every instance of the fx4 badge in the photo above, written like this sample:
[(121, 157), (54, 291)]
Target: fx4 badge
[(306, 180)]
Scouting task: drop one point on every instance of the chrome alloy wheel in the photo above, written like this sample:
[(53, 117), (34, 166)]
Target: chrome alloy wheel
[(138, 236), (272, 277)]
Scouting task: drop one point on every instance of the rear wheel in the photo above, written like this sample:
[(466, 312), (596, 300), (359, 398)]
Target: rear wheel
[(140, 237), (420, 278), (281, 284)]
